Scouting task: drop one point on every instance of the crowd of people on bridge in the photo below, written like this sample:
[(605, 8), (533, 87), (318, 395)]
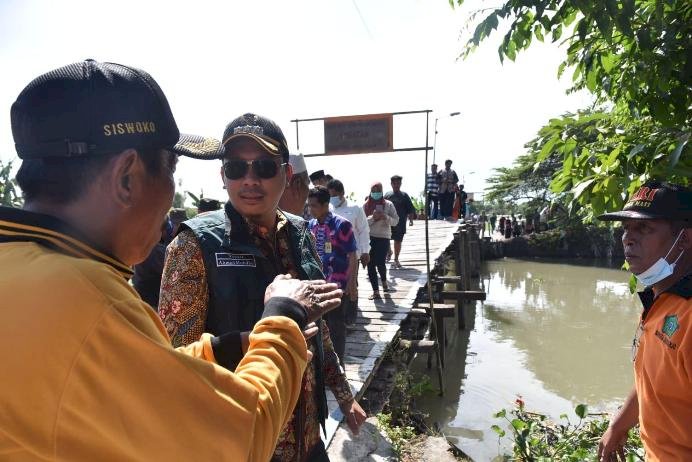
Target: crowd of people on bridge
[(445, 197), (235, 325)]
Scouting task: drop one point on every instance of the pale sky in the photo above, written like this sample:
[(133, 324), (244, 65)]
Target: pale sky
[(301, 59)]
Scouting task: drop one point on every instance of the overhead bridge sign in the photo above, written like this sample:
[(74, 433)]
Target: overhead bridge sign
[(358, 134)]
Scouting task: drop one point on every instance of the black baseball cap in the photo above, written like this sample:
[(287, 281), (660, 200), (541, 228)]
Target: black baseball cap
[(207, 204), (178, 215), (93, 108), (265, 132), (656, 200), (396, 178), (316, 175)]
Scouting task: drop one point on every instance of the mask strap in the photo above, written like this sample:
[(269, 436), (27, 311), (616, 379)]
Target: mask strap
[(673, 246)]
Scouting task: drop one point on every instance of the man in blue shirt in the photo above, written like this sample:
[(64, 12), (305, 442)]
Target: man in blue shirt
[(336, 247)]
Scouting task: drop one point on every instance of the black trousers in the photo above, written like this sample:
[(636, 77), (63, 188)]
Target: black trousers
[(351, 310), (446, 204), (336, 321), (318, 453), (379, 246), (433, 206)]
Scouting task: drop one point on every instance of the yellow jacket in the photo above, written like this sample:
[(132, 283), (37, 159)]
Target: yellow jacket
[(87, 372)]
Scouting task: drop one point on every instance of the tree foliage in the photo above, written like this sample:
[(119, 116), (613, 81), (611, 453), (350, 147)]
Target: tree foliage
[(636, 53), (9, 191), (635, 57), (524, 188), (592, 161), (607, 155), (526, 180)]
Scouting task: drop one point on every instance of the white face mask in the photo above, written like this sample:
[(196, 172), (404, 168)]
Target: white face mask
[(661, 269), (335, 201)]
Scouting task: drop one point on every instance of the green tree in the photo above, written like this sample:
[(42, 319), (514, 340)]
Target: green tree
[(526, 180), (9, 191), (634, 56), (633, 52), (178, 200), (524, 188), (607, 155)]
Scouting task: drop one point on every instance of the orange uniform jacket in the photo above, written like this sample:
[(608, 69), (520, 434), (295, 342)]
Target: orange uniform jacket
[(663, 374), (87, 372)]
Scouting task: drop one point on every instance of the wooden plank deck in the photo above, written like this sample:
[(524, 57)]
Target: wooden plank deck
[(378, 321)]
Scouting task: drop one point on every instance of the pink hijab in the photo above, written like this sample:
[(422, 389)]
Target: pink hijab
[(370, 204)]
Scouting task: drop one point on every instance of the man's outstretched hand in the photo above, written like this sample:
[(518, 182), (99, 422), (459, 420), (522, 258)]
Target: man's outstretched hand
[(317, 297)]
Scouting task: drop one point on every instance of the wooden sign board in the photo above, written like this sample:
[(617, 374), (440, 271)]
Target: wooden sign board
[(358, 134)]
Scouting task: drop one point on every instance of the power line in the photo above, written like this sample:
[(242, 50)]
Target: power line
[(362, 19)]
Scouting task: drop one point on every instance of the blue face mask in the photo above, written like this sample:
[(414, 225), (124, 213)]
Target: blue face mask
[(376, 195), (659, 270), (335, 201)]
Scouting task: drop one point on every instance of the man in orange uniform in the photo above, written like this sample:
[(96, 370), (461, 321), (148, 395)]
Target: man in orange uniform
[(657, 221), (88, 372)]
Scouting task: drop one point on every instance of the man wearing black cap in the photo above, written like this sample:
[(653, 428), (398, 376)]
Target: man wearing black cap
[(318, 178), (88, 372), (207, 204), (220, 264), (657, 221), (404, 208)]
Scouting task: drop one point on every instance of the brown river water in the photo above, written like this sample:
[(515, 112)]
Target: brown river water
[(556, 334)]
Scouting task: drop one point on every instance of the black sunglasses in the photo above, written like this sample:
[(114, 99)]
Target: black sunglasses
[(263, 168)]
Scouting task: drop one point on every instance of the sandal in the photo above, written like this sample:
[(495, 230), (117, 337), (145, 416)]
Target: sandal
[(375, 296)]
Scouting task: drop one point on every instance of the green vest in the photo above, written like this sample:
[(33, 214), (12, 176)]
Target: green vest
[(238, 274)]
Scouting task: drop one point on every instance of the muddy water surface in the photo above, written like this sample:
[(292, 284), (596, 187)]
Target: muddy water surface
[(556, 334)]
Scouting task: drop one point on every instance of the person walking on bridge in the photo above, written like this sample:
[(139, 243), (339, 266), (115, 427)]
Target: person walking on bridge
[(361, 232), (382, 216), (336, 246), (432, 187), (220, 263), (448, 188), (657, 221), (295, 196), (404, 209)]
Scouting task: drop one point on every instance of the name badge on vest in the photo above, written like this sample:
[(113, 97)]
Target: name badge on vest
[(235, 259)]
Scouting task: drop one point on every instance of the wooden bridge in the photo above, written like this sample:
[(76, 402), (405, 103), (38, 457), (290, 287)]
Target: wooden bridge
[(379, 321)]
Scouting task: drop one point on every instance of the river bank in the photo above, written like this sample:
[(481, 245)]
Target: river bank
[(397, 429), (583, 242)]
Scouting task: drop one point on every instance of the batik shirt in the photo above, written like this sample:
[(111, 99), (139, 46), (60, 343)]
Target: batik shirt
[(183, 308), (334, 241)]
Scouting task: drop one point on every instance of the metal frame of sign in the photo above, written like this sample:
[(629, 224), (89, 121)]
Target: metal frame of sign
[(425, 148), (316, 119)]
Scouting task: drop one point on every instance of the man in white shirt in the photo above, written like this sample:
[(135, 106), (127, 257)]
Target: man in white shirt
[(361, 231)]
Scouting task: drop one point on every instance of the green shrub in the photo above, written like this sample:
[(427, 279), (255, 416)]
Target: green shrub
[(536, 438)]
